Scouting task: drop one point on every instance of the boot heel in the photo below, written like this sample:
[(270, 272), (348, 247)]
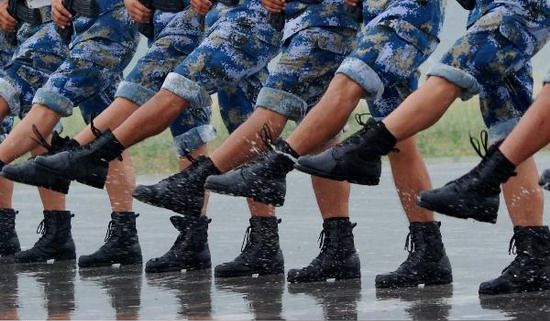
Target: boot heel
[(131, 261), (96, 180), (200, 266), (348, 274), (270, 197), (365, 181), (65, 257), (439, 279)]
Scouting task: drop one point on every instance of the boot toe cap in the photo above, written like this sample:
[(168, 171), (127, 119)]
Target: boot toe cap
[(144, 193)]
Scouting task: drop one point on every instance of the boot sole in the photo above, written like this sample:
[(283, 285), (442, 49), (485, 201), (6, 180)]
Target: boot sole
[(57, 184), (353, 180), (336, 276), (249, 274), (178, 269), (532, 288), (104, 264), (220, 189), (480, 218), (397, 285)]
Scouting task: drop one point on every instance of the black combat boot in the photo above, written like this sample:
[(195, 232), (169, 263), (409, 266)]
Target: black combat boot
[(476, 194), (87, 164), (338, 258), (263, 180), (260, 253), (28, 172), (427, 262), (56, 241), (357, 159), (545, 180), (9, 243), (190, 250), (182, 192), (530, 270), (121, 243)]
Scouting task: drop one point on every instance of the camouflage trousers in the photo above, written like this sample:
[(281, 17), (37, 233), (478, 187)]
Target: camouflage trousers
[(6, 49), (398, 36), (309, 59), (99, 51), (39, 53), (493, 60), (232, 60), (176, 36), (45, 70)]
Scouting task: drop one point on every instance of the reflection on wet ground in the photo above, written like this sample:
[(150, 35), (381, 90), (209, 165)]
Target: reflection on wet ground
[(61, 291)]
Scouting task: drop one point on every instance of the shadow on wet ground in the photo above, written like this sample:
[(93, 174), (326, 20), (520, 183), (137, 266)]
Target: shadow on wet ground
[(61, 291)]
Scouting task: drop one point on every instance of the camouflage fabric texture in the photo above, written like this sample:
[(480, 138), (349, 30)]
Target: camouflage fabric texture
[(176, 36), (493, 59), (308, 62), (231, 60), (397, 37), (20, 77), (99, 51)]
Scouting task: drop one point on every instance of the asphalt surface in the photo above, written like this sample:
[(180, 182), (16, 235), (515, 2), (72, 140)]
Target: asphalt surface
[(478, 252)]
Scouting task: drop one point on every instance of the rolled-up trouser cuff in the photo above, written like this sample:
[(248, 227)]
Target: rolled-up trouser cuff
[(362, 74), (54, 101), (135, 93), (194, 138), (546, 79), (187, 89), (11, 95), (501, 129), (470, 86), (282, 102)]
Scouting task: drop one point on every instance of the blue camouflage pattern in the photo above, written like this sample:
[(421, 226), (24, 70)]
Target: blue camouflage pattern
[(231, 59), (308, 62), (99, 51), (398, 36), (6, 49), (176, 36), (493, 59), (39, 53), (327, 13)]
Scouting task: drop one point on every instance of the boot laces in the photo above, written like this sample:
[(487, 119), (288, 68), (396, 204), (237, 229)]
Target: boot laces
[(513, 251), (247, 240), (109, 232), (41, 228), (354, 138), (321, 239), (481, 145), (413, 258), (40, 140), (410, 244), (266, 137), (97, 133)]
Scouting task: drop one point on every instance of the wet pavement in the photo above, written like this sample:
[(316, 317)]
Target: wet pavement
[(477, 251)]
